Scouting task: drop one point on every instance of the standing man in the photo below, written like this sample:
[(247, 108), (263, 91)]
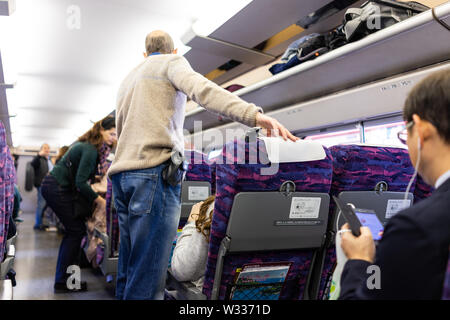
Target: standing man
[(42, 165), (150, 116)]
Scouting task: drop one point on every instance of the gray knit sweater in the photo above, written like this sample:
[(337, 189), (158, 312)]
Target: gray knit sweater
[(151, 109)]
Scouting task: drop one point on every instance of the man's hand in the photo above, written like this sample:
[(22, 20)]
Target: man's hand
[(358, 248), (273, 127), (195, 211)]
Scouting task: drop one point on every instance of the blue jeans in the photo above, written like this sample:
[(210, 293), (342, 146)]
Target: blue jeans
[(39, 208), (149, 211)]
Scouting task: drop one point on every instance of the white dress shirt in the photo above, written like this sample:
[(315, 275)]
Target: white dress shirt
[(440, 181)]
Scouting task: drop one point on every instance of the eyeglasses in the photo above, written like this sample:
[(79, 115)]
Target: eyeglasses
[(403, 134)]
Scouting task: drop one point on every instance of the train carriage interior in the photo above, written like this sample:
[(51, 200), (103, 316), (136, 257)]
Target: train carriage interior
[(336, 74)]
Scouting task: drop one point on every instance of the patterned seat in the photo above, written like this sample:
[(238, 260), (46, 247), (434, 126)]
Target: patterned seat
[(3, 202), (199, 169), (212, 167), (446, 290), (422, 190), (7, 179), (10, 178), (233, 177), (360, 168)]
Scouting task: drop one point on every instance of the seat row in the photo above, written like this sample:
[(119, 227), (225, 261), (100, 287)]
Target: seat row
[(7, 249), (254, 223), (267, 236)]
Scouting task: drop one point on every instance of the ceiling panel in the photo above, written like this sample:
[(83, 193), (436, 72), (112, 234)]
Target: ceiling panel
[(67, 76)]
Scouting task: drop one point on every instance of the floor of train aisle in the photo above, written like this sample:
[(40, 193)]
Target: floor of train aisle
[(35, 263)]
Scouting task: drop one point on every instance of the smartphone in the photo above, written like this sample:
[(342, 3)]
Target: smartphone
[(349, 215), (368, 218)]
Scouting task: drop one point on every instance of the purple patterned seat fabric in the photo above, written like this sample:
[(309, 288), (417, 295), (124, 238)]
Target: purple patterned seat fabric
[(3, 202), (422, 190), (7, 179), (232, 178), (10, 178), (446, 292), (360, 168), (212, 166), (199, 169)]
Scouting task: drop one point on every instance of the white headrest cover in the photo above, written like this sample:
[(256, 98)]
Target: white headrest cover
[(280, 151)]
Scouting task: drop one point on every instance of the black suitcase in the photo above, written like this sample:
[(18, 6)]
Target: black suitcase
[(29, 177), (375, 15)]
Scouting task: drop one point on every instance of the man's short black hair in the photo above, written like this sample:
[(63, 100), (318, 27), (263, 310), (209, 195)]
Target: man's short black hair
[(430, 100)]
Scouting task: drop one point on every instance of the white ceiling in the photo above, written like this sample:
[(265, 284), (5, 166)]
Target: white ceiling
[(66, 78)]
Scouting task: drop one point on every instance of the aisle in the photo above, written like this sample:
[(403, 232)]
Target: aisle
[(36, 254)]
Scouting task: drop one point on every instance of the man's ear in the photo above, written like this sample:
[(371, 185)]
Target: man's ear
[(145, 54), (424, 128), (175, 51)]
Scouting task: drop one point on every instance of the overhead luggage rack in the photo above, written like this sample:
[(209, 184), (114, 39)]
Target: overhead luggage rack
[(376, 100), (245, 31), (386, 53)]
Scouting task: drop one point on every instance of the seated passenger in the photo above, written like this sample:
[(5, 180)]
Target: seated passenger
[(191, 251), (413, 253)]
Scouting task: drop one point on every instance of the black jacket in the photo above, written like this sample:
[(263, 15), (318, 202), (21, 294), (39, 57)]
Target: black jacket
[(40, 165), (412, 255)]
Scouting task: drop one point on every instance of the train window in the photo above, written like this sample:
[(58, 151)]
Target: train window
[(384, 134), (337, 137)]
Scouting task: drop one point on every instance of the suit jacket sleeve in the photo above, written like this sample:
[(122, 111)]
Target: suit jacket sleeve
[(405, 257)]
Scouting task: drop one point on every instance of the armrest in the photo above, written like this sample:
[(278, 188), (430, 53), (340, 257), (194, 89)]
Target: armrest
[(109, 263), (5, 266), (6, 290), (101, 235), (184, 290), (106, 240), (11, 251), (11, 241)]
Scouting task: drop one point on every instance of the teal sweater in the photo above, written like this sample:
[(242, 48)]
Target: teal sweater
[(84, 158)]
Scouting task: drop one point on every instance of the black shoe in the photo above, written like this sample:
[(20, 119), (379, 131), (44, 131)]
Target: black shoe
[(42, 227), (62, 288)]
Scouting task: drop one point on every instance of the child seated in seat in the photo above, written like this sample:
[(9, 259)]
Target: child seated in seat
[(191, 251)]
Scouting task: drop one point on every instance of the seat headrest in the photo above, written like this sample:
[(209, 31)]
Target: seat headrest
[(377, 145), (280, 151)]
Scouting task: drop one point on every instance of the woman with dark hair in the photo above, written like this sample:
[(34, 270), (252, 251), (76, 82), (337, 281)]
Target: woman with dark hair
[(61, 153), (68, 184)]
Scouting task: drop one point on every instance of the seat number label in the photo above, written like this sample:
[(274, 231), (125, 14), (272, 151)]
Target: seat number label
[(198, 193)]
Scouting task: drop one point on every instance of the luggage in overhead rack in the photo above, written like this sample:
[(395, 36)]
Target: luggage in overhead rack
[(376, 15)]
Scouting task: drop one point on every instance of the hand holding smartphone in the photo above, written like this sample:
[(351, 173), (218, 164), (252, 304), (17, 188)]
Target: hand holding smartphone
[(360, 217)]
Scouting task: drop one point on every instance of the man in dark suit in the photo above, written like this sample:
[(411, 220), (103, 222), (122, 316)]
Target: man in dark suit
[(413, 254)]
